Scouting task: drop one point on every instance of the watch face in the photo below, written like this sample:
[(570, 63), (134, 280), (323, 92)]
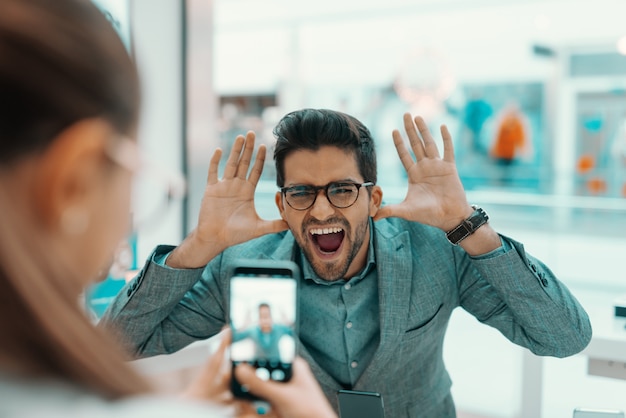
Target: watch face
[(468, 226), (478, 218)]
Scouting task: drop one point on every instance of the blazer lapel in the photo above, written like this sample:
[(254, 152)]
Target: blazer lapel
[(394, 265)]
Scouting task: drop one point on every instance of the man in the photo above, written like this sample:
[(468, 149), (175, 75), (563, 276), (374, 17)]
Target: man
[(266, 336), (379, 282)]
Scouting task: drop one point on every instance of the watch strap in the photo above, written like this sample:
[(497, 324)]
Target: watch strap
[(466, 228)]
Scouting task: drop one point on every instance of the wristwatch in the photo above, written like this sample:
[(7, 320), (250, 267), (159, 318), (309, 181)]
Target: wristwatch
[(466, 228)]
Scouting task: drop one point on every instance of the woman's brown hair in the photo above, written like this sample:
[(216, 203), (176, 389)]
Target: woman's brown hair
[(61, 62)]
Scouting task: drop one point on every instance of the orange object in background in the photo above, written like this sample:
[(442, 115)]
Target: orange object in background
[(585, 163), (624, 190), (511, 136), (596, 185)]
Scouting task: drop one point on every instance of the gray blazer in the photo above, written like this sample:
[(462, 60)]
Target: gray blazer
[(422, 279)]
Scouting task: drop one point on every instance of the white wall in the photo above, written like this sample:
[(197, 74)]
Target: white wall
[(365, 42), (157, 35)]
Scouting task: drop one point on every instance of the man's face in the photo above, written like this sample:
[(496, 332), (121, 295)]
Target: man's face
[(335, 241), (265, 319)]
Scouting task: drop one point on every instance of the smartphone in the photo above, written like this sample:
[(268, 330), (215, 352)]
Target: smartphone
[(358, 404), (597, 413), (263, 315)]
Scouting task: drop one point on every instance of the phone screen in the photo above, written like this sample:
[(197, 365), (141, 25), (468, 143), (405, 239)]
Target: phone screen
[(263, 318), (356, 404)]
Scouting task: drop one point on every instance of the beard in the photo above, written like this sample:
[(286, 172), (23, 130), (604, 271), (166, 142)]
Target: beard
[(331, 271)]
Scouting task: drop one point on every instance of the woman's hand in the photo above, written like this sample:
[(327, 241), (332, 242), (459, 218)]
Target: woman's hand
[(301, 397), (213, 381)]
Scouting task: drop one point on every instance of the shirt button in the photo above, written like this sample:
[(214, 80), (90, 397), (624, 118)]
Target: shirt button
[(347, 286), (354, 364), (349, 325)]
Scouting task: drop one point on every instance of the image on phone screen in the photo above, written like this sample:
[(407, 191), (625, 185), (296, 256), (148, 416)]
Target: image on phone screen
[(263, 315)]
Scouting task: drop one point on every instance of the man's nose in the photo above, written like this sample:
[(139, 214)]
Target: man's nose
[(322, 208)]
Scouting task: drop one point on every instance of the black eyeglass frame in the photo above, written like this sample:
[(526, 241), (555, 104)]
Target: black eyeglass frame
[(316, 189)]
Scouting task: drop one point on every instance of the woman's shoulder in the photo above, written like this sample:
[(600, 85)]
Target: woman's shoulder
[(52, 399)]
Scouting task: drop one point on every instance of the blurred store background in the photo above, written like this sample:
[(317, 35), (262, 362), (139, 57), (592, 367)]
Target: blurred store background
[(533, 92)]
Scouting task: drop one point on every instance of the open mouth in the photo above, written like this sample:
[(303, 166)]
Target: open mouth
[(328, 240)]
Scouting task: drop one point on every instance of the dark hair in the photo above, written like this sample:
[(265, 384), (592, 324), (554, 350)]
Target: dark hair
[(311, 129), (60, 62)]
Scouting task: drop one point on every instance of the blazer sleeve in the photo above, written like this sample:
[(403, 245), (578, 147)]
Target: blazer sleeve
[(163, 310), (519, 295)]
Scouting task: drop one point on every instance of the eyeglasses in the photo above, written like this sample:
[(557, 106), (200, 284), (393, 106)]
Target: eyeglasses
[(154, 188), (340, 194)]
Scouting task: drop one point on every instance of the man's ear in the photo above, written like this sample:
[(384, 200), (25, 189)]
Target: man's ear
[(70, 169), (376, 199), (278, 198)]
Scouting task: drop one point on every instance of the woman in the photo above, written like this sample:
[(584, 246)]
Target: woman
[(69, 105)]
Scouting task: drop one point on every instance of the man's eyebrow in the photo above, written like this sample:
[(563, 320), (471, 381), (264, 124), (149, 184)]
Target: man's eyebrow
[(345, 180), (299, 185)]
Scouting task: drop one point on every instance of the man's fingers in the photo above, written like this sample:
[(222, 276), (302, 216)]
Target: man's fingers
[(233, 159), (394, 210), (422, 142), (405, 157), (414, 138), (430, 147), (239, 160), (272, 227), (448, 146), (213, 166), (384, 212), (257, 168), (246, 156)]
